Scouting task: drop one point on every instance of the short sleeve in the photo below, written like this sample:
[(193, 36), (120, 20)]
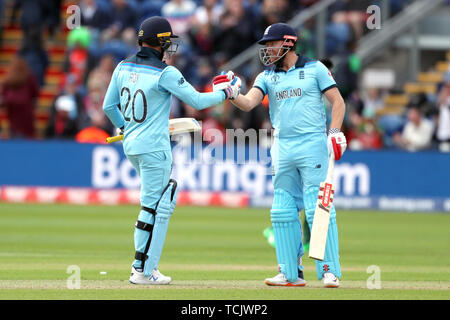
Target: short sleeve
[(260, 83), (324, 77)]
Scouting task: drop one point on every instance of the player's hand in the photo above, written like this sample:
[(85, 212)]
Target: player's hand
[(222, 81), (337, 143), (234, 88), (229, 83), (119, 131)]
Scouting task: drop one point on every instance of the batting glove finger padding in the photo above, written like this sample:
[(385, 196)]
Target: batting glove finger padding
[(222, 81), (337, 143)]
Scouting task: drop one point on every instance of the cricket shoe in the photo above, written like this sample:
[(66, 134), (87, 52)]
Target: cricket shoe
[(280, 280), (330, 280), (156, 278)]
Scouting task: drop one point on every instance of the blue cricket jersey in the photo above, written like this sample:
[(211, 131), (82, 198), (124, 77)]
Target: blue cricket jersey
[(139, 96), (295, 97)]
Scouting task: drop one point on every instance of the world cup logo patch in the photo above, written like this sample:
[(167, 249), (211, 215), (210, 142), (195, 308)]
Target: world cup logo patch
[(134, 77), (275, 78)]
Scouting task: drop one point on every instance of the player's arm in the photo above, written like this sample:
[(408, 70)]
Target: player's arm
[(254, 96), (337, 143), (111, 102), (338, 107), (247, 102), (173, 81)]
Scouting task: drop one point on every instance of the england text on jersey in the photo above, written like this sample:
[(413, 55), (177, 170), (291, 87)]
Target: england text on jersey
[(291, 93)]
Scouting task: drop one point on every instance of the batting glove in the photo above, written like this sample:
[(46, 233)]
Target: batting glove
[(222, 81), (229, 83), (119, 131), (337, 143)]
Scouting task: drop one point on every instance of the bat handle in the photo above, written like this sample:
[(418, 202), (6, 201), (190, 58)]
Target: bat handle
[(114, 139)]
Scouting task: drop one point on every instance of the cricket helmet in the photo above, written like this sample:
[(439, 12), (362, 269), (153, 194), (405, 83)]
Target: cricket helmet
[(156, 31), (274, 32)]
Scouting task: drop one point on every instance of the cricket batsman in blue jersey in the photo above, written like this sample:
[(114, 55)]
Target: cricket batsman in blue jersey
[(138, 102), (301, 148)]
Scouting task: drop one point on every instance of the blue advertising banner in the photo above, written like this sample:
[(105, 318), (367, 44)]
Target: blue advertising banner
[(379, 179)]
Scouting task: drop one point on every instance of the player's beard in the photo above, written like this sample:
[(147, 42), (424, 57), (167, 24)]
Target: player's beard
[(279, 63)]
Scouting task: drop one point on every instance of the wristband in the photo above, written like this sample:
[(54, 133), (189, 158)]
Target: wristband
[(333, 131)]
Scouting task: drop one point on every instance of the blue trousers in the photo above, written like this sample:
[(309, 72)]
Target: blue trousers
[(154, 170), (299, 165)]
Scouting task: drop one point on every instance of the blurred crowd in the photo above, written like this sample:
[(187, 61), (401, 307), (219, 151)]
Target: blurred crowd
[(424, 124), (211, 33)]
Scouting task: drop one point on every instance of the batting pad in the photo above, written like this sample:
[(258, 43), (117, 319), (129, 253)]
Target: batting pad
[(164, 210), (287, 233), (141, 236), (301, 251), (330, 262)]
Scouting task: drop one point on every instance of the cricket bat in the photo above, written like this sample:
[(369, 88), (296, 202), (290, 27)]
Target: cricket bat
[(321, 220), (176, 126)]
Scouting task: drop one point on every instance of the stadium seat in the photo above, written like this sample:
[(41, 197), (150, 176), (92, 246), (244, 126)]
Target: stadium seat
[(442, 66), (417, 87), (431, 77), (56, 49)]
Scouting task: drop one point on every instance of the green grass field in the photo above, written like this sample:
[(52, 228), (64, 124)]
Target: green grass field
[(213, 253)]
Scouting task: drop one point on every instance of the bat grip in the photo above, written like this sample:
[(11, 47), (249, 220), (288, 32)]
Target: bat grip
[(114, 139)]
